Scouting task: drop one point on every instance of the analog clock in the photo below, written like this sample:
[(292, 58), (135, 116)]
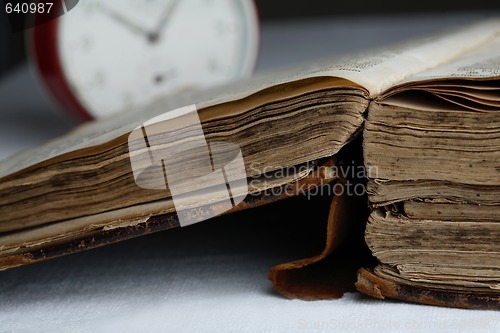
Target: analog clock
[(107, 55)]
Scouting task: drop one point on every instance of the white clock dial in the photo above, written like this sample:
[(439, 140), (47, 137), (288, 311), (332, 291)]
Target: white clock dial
[(122, 53)]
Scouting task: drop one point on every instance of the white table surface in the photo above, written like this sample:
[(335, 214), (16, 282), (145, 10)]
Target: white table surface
[(209, 277)]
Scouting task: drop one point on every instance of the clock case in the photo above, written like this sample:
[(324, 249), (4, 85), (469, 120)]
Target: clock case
[(42, 49)]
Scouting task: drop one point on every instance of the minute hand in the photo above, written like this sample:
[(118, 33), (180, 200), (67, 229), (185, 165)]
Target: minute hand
[(167, 13), (124, 21)]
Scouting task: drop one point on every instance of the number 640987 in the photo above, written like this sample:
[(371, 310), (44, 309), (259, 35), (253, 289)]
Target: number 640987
[(25, 8)]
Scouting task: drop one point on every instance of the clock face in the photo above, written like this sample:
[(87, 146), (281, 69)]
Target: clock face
[(117, 54)]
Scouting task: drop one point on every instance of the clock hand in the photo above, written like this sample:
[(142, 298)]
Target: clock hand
[(123, 20), (167, 13)]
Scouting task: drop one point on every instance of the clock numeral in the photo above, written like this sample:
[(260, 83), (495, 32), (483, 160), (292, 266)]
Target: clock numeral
[(165, 77)]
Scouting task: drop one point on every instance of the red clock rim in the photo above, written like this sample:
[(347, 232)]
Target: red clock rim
[(44, 44)]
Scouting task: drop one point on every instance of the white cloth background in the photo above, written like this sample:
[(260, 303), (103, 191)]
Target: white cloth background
[(209, 277)]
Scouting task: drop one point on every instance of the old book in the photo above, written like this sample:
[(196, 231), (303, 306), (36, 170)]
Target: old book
[(424, 115)]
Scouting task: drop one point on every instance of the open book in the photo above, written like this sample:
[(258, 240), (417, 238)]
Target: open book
[(425, 115)]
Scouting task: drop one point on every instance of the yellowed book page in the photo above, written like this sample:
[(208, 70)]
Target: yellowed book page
[(98, 132), (105, 130), (376, 71), (480, 63), (379, 71)]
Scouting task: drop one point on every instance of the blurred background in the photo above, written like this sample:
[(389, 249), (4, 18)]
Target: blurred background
[(12, 51)]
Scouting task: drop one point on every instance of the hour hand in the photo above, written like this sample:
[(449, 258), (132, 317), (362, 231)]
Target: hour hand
[(124, 21)]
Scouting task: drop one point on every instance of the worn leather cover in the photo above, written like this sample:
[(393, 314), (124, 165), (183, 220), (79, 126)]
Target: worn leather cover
[(375, 286), (333, 271), (167, 221)]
